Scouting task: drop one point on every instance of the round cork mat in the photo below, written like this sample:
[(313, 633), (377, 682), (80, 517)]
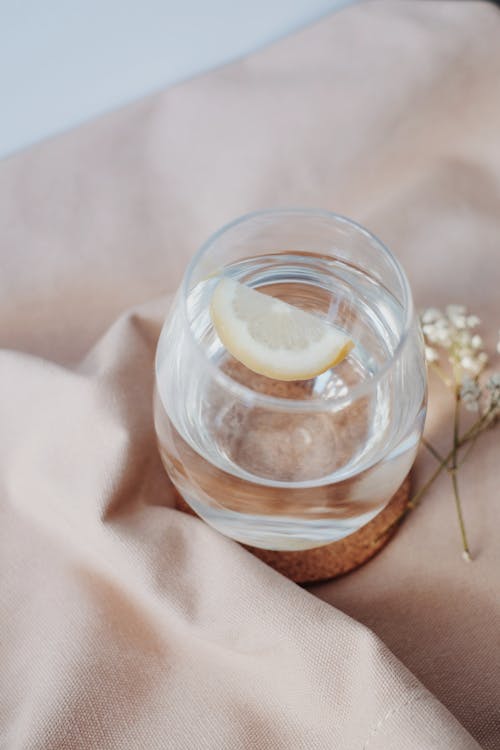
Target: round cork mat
[(338, 558)]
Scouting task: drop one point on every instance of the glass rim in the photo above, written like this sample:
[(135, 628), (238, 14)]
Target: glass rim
[(336, 402)]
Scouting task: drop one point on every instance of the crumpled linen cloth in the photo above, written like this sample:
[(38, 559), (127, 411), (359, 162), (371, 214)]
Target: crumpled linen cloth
[(126, 624)]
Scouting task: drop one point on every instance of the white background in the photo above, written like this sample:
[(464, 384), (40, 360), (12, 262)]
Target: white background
[(64, 61)]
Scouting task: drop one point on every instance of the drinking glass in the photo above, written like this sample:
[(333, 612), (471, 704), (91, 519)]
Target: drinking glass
[(292, 465)]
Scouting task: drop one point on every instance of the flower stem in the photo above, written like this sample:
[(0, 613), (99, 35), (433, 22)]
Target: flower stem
[(469, 448), (478, 426), (441, 373), (423, 489), (454, 478), (466, 552), (471, 435), (432, 450)]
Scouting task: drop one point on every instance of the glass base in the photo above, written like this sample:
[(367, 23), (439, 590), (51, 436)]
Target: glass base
[(337, 558)]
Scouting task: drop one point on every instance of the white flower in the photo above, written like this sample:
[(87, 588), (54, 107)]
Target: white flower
[(452, 331), (431, 315), (463, 350), (470, 393), (471, 365), (438, 332), (429, 329), (477, 342), (471, 405), (443, 337), (431, 354), (493, 385), (452, 310), (457, 315), (464, 338), (493, 381)]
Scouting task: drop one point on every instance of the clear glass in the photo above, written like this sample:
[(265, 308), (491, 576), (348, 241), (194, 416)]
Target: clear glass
[(295, 465)]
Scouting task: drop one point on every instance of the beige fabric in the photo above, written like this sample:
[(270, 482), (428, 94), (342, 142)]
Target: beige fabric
[(125, 624)]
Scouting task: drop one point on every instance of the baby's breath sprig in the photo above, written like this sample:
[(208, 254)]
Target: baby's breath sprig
[(453, 335), (456, 353)]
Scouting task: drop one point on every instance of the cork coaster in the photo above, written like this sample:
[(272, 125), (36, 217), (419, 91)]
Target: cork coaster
[(338, 558)]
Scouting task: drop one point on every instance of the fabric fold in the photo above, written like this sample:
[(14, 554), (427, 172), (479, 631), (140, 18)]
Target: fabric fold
[(132, 625)]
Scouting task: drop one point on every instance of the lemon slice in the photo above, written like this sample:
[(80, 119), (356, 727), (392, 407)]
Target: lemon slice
[(272, 337)]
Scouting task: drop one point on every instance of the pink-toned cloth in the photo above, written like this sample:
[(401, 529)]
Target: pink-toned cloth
[(125, 624)]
